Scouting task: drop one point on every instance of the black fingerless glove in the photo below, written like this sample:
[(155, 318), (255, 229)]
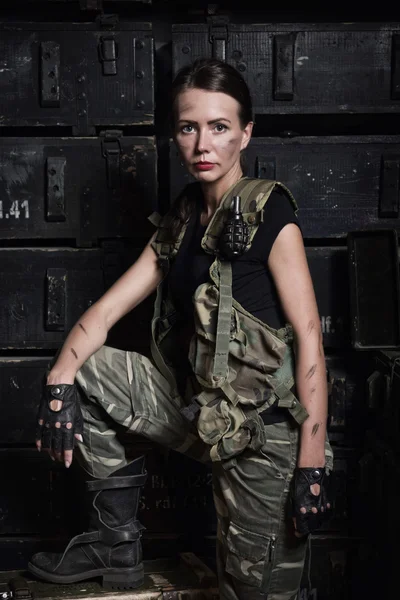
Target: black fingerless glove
[(59, 438), (302, 496)]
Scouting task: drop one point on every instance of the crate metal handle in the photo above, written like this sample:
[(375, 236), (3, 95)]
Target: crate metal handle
[(108, 55), (389, 186), (55, 188), (49, 74), (283, 54), (395, 67), (55, 302)]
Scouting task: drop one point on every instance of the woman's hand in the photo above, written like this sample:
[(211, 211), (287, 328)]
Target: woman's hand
[(60, 421), (311, 502)]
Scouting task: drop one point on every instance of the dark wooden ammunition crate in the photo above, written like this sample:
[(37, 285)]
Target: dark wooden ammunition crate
[(183, 577), (302, 68), (341, 183), (329, 273), (79, 75), (347, 375), (77, 189), (336, 567), (44, 292), (176, 503)]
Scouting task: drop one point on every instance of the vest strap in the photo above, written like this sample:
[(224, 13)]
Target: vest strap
[(254, 218), (226, 389), (220, 368), (287, 399)]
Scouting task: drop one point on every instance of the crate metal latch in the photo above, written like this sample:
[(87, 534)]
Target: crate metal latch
[(218, 35), (111, 150), (108, 55)]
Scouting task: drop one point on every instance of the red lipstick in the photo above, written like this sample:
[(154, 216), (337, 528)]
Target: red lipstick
[(204, 166)]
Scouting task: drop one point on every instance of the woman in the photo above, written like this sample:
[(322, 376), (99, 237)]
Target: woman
[(221, 381)]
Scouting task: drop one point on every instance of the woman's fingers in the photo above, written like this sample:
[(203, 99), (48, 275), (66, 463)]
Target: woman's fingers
[(57, 453), (68, 458)]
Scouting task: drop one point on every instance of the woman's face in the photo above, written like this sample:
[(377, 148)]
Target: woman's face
[(209, 134)]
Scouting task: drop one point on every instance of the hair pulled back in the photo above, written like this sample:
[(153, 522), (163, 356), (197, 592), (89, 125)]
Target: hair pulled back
[(212, 75)]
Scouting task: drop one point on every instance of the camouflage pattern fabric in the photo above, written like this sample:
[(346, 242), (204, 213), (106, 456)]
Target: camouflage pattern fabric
[(259, 362), (254, 193), (238, 361), (258, 556), (119, 388)]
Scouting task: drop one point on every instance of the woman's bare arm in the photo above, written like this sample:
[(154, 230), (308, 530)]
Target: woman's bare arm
[(90, 331), (289, 268)]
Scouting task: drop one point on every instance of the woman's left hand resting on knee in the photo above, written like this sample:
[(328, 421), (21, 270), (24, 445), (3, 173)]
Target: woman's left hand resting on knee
[(56, 436), (289, 267)]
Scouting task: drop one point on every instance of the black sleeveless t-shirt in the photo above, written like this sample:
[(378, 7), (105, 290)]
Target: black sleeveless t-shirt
[(252, 283)]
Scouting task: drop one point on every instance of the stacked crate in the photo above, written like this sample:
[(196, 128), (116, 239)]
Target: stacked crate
[(78, 179)]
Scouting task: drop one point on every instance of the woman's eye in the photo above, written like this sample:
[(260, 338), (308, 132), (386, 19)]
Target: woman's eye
[(187, 129), (220, 127)]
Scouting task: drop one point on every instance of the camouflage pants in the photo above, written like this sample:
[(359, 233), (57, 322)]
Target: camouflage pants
[(258, 555)]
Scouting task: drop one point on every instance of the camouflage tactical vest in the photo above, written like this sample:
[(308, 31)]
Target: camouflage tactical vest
[(241, 364)]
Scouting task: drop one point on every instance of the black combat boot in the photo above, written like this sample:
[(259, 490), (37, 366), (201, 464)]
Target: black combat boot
[(111, 548)]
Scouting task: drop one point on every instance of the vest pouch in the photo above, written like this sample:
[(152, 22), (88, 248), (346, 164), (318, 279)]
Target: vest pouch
[(218, 418), (228, 429), (255, 352)]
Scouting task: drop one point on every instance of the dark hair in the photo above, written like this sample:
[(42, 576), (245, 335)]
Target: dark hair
[(212, 75), (215, 75)]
